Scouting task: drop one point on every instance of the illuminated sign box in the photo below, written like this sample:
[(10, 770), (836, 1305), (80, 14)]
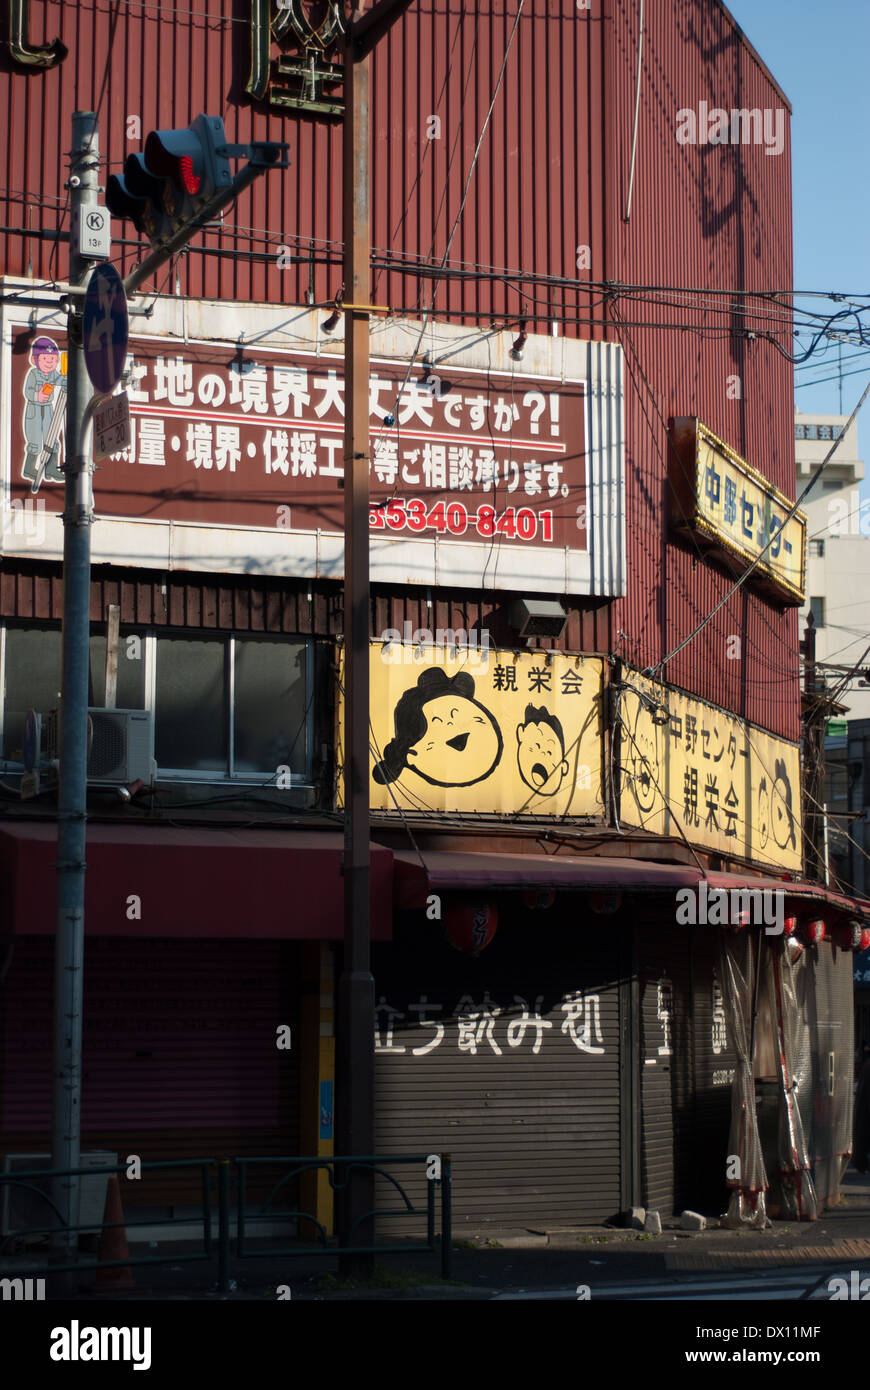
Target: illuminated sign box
[(735, 512)]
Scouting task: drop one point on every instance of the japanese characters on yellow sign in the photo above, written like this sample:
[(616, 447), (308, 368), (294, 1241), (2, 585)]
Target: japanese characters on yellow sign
[(477, 729), (718, 495), (687, 766)]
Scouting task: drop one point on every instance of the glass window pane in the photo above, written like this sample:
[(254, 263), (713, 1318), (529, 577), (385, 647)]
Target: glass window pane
[(270, 706), (190, 716), (33, 662), (131, 672)]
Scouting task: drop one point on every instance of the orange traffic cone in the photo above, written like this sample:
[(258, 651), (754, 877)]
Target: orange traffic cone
[(113, 1242)]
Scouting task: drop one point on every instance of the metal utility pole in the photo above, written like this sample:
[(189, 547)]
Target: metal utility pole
[(815, 711), (355, 1063), (73, 733), (356, 987)]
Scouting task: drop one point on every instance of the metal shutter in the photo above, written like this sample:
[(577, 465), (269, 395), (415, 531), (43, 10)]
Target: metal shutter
[(661, 965), (534, 1135), (703, 1158), (179, 1054)]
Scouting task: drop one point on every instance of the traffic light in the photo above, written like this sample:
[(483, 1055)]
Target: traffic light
[(180, 173)]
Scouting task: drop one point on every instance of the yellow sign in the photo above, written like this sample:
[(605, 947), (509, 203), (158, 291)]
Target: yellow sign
[(688, 766), (719, 496), (475, 729)]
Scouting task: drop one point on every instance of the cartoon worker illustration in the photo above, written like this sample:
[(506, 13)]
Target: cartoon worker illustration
[(443, 734), (541, 751), (45, 394)]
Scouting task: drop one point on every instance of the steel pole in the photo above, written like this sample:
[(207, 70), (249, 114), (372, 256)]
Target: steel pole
[(356, 998), (73, 740)]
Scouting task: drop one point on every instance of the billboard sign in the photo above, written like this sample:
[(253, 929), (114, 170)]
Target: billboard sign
[(689, 768), (732, 508), (483, 730)]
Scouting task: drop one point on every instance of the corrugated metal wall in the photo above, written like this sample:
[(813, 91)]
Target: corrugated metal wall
[(258, 604), (551, 177)]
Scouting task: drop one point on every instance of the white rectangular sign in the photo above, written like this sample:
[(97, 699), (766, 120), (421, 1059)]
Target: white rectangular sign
[(94, 228), (112, 426)]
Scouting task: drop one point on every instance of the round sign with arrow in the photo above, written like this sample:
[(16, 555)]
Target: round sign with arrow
[(105, 328)]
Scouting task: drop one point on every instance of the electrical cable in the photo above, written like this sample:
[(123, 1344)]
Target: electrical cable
[(743, 578)]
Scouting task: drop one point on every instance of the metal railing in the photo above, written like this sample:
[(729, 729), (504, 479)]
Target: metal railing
[(219, 1247), (434, 1243), (29, 1181)]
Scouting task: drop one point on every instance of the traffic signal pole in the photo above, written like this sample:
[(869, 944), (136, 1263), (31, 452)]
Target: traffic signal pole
[(271, 158), (73, 740)]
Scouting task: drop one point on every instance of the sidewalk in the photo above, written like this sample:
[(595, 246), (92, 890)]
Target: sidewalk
[(487, 1261)]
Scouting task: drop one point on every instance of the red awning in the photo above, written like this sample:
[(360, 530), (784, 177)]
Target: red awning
[(452, 870), (191, 882), (448, 870)]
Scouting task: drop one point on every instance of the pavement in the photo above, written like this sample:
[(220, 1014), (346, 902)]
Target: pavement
[(789, 1259)]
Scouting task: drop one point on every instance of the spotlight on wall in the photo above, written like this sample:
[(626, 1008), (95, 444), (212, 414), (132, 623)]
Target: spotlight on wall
[(519, 343), (330, 325)]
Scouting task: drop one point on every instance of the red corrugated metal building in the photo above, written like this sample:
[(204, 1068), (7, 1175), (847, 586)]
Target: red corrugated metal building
[(581, 219)]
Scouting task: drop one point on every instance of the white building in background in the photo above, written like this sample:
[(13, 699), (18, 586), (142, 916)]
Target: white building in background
[(838, 549)]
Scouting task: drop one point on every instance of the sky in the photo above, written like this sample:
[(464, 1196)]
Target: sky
[(819, 54)]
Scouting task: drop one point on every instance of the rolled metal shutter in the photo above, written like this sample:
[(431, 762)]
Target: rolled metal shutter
[(704, 1153), (511, 1072), (179, 1052)]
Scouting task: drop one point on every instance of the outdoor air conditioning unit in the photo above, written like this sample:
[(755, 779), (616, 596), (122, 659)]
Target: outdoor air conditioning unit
[(120, 745), (23, 1209), (533, 617)]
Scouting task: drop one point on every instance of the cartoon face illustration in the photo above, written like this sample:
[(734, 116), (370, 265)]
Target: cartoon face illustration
[(641, 758), (443, 734), (541, 751), (45, 360), (781, 812)]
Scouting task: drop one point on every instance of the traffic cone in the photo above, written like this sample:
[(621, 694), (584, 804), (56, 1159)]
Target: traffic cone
[(113, 1242)]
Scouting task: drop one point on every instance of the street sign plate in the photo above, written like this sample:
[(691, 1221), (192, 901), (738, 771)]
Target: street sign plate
[(112, 426), (94, 228), (105, 328)]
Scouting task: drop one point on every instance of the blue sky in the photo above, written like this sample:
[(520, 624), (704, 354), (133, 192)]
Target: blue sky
[(818, 54)]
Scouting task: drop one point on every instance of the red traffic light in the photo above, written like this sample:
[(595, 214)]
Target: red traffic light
[(176, 155)]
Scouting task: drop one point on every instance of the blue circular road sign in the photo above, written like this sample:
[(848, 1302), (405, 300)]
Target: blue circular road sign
[(105, 328)]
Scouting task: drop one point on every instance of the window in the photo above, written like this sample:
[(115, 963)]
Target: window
[(224, 706), (817, 548), (817, 608), (232, 706)]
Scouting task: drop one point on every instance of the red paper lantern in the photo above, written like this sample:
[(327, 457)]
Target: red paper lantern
[(789, 926), (813, 932), (470, 926), (852, 936), (605, 903), (538, 899)]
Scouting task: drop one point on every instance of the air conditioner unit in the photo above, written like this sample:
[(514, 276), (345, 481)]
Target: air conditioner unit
[(23, 1209), (120, 745)]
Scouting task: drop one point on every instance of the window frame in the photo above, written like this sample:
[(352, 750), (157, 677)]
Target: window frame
[(150, 637)]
